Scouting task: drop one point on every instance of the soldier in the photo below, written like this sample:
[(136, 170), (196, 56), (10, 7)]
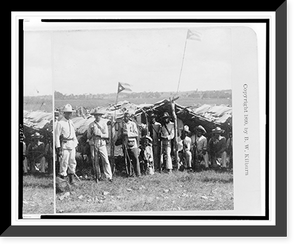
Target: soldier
[(155, 131), (36, 153), (217, 148), (66, 142), (200, 147), (130, 142), (167, 134), (97, 134)]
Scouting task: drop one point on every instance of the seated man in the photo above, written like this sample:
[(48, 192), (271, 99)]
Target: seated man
[(217, 148), (36, 154)]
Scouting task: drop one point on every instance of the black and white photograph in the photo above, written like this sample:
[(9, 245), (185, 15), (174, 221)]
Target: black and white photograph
[(144, 117)]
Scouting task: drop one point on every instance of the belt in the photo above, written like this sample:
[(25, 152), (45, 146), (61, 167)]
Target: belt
[(67, 139)]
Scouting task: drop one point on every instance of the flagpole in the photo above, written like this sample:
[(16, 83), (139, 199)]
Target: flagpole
[(181, 65), (117, 94)]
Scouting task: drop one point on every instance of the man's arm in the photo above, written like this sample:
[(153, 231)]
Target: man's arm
[(172, 134), (57, 135)]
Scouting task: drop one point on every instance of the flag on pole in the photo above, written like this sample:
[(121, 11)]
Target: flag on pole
[(123, 87), (193, 35)]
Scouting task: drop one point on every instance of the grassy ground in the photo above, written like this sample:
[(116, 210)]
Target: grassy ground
[(206, 190), (38, 195)]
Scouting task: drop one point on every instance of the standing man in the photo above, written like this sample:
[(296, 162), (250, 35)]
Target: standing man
[(186, 144), (217, 148), (130, 142), (155, 132), (167, 134), (66, 142), (200, 147), (97, 134)]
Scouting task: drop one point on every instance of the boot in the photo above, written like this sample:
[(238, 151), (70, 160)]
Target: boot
[(71, 179)]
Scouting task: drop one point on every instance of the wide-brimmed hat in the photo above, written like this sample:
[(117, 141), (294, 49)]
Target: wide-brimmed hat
[(186, 129), (146, 137), (98, 111), (199, 127), (217, 130), (166, 115), (151, 115), (36, 135), (67, 108)]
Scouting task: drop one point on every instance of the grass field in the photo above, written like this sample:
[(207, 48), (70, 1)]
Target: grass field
[(38, 195), (179, 191)]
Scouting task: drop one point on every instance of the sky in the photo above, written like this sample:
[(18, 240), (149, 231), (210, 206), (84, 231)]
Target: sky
[(83, 60)]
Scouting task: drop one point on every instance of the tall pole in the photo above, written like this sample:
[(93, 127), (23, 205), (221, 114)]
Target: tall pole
[(181, 65), (175, 148), (112, 137)]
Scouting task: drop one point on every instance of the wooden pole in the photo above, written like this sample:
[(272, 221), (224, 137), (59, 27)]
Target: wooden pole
[(175, 148)]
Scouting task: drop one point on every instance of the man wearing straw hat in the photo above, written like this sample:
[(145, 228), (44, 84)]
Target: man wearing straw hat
[(217, 148), (199, 142), (65, 143), (97, 134)]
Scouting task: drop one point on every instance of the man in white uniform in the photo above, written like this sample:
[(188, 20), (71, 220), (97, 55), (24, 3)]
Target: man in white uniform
[(97, 134), (65, 143)]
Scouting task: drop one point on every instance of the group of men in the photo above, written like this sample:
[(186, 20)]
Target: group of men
[(193, 148), (143, 154)]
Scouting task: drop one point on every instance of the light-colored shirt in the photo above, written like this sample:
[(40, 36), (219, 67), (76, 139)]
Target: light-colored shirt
[(185, 144), (200, 142), (97, 132), (65, 128), (131, 131), (164, 131)]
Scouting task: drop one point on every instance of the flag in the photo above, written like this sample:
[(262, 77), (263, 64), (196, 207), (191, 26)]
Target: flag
[(193, 35), (123, 87)]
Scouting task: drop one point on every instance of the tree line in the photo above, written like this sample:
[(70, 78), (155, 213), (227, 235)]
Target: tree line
[(190, 94)]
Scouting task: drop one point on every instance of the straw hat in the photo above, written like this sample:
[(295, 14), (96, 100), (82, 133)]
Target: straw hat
[(166, 115), (199, 127), (98, 111), (217, 130), (186, 129), (67, 108), (36, 135), (146, 137)]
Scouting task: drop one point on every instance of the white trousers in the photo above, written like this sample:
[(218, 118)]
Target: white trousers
[(102, 151), (188, 159), (68, 161)]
